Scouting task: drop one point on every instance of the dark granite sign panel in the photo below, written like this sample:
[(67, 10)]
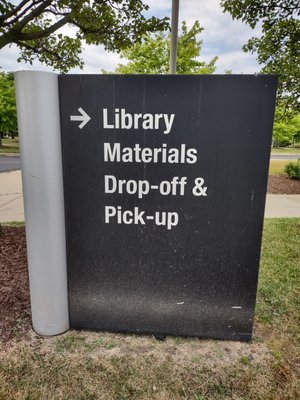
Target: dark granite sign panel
[(165, 181)]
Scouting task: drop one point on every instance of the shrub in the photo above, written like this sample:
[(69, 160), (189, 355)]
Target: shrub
[(284, 142), (293, 169)]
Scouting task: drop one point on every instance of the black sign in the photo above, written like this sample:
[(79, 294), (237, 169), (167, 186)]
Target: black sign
[(165, 181)]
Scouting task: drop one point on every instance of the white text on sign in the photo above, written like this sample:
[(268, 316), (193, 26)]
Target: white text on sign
[(116, 153), (138, 217), (142, 187), (121, 119), (125, 120)]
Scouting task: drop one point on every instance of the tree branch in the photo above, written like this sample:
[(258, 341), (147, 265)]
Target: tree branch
[(88, 29), (45, 32), (56, 13), (33, 14), (38, 50), (17, 17), (14, 11), (14, 35)]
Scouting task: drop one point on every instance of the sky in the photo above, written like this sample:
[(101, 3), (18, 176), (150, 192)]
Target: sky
[(221, 37)]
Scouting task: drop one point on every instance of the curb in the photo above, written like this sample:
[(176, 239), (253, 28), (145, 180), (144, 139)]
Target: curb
[(286, 154), (10, 155)]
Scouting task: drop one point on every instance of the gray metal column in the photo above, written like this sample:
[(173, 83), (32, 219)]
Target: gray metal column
[(41, 160), (174, 36)]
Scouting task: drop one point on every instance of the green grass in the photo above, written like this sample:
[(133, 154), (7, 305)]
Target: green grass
[(10, 146), (13, 223), (295, 150), (278, 302), (88, 366), (73, 343), (277, 166)]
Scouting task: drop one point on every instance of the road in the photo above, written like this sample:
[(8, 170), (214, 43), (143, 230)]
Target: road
[(9, 163), (285, 156)]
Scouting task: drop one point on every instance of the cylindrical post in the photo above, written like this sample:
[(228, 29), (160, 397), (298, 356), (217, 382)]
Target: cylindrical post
[(41, 161), (174, 36)]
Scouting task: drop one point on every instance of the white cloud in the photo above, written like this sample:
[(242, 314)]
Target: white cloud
[(96, 58), (221, 37), (159, 8), (239, 63), (8, 61)]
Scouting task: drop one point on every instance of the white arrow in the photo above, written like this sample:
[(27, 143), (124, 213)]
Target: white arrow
[(83, 117)]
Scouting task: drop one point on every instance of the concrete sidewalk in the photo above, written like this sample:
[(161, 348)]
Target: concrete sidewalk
[(11, 197), (282, 206), (11, 200)]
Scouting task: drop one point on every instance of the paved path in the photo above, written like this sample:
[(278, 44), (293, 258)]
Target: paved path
[(11, 200), (9, 163), (282, 206), (286, 156), (11, 197)]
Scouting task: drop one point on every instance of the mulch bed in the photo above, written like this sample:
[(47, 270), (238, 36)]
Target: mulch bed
[(15, 320), (282, 184)]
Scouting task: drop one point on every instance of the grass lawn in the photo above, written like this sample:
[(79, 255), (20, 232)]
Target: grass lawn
[(295, 150), (277, 166), (9, 146), (278, 302), (91, 365)]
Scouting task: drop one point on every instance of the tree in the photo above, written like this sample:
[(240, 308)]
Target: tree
[(279, 47), (34, 26), (286, 132), (296, 130), (8, 112), (151, 55)]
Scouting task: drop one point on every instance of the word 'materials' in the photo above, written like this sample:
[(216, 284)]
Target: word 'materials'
[(115, 153), (126, 120)]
